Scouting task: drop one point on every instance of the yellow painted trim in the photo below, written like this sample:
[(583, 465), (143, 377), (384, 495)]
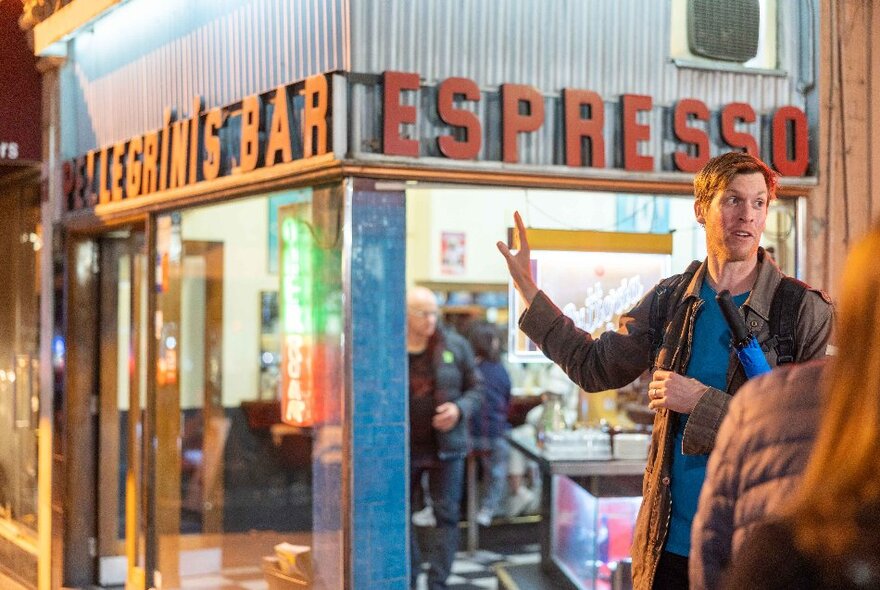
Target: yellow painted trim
[(313, 169), (504, 579), (18, 535), (44, 493), (595, 241), (67, 20)]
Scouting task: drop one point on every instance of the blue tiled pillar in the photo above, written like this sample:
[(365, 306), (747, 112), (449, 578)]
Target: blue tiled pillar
[(379, 452)]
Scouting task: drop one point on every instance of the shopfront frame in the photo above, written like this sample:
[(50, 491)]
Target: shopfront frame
[(393, 172), (373, 191), (80, 438)]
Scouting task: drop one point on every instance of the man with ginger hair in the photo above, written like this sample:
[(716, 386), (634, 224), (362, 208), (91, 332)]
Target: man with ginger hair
[(678, 332)]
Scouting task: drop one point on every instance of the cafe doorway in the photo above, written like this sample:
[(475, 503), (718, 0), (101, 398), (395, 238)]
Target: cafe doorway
[(104, 403)]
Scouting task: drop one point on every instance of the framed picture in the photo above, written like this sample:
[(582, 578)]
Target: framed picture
[(452, 253)]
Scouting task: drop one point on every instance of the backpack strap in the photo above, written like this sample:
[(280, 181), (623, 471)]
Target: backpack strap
[(669, 293), (783, 317)]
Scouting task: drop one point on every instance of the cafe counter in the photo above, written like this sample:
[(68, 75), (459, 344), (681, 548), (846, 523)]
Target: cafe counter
[(588, 510)]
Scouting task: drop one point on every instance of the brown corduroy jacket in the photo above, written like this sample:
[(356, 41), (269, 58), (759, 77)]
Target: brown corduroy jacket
[(617, 358)]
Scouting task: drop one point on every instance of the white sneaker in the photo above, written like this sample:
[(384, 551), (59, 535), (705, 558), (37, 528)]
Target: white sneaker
[(424, 517), (520, 501), (484, 517)]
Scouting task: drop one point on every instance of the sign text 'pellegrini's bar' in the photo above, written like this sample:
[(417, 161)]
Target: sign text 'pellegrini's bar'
[(206, 145), (293, 122)]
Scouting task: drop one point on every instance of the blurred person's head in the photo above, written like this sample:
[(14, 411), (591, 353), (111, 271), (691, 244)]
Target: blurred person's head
[(421, 314), (485, 341), (843, 472)]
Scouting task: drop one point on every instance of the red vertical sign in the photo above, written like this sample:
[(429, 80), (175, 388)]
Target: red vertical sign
[(20, 95)]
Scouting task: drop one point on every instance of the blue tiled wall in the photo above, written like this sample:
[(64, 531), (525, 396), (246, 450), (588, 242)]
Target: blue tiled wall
[(380, 552)]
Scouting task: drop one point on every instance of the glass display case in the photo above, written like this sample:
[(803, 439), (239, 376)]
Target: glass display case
[(588, 512), (591, 536)]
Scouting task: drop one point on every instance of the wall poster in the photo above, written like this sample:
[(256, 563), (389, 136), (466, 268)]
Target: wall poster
[(452, 253)]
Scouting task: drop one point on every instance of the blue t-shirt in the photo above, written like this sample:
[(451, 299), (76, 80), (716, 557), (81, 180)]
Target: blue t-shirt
[(710, 355)]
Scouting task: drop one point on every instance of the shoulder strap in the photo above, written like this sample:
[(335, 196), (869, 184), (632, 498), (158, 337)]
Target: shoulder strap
[(669, 293), (783, 317)]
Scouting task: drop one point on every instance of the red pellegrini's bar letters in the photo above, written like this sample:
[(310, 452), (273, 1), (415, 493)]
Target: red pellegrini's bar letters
[(686, 110), (577, 127), (634, 132), (293, 122)]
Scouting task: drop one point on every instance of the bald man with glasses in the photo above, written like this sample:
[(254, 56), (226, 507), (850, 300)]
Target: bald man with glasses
[(445, 389)]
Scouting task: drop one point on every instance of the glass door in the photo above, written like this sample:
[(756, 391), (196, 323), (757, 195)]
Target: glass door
[(121, 402), (191, 426)]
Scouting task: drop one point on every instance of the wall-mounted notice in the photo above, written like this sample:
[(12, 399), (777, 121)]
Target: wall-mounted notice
[(452, 253)]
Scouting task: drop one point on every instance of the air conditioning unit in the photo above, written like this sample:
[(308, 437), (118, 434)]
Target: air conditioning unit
[(725, 30)]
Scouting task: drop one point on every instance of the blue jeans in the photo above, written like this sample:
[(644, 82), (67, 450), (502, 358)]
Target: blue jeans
[(437, 545), (494, 467)]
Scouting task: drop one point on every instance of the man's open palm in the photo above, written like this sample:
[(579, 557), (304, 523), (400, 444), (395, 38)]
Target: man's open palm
[(519, 264)]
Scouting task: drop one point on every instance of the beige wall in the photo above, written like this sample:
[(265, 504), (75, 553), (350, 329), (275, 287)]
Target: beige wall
[(484, 215), (242, 226)]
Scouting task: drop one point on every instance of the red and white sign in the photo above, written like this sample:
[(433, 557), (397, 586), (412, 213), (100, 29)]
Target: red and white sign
[(453, 253), (20, 92)]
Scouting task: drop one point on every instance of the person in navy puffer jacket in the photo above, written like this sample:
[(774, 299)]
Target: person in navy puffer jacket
[(489, 425)]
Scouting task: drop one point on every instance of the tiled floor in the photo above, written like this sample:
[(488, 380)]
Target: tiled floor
[(233, 561), (469, 572), (240, 578), (476, 572)]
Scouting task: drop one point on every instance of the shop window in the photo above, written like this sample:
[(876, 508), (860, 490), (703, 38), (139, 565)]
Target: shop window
[(477, 288), (249, 369), (19, 361), (590, 535)]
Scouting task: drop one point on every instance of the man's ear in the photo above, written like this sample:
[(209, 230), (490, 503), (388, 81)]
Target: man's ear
[(698, 212)]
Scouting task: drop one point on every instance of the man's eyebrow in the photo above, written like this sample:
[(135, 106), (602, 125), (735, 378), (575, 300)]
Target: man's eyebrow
[(738, 192)]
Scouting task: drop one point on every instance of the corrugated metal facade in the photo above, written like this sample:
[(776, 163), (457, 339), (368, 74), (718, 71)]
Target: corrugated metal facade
[(610, 47), (145, 56)]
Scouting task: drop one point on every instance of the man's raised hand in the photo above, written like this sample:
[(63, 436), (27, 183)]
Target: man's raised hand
[(519, 264)]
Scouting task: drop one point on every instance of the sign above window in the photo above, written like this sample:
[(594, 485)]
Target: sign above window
[(397, 116), (20, 93)]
